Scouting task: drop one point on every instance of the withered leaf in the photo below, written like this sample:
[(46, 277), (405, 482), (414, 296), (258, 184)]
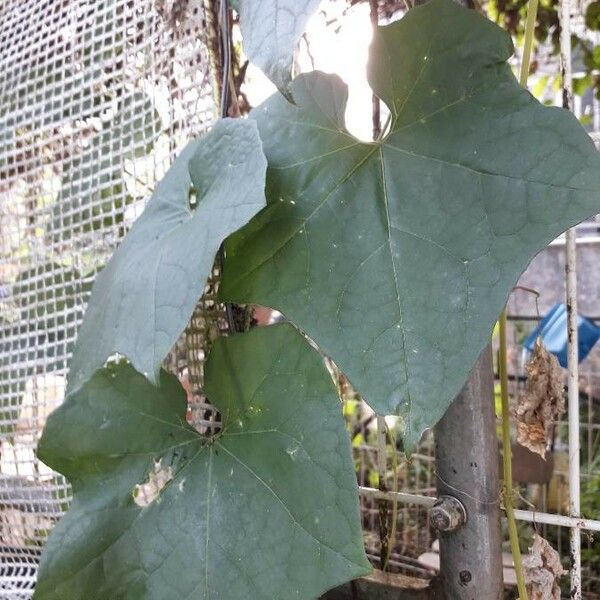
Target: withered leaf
[(542, 402), (542, 570)]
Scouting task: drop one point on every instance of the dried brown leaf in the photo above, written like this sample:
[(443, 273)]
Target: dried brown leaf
[(542, 402), (542, 570)]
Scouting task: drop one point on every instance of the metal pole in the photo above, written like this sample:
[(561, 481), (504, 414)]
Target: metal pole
[(572, 337), (573, 413), (467, 461)]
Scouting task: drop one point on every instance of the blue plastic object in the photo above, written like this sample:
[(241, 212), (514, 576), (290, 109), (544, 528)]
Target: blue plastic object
[(553, 331)]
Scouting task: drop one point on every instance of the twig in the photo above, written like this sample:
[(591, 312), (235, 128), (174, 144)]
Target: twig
[(309, 51), (384, 538), (531, 291), (359, 427), (374, 14)]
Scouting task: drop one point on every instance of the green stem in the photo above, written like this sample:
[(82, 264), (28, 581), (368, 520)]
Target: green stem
[(392, 531), (507, 491), (528, 44)]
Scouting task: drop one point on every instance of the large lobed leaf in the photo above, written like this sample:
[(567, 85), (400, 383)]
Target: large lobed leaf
[(397, 256), (270, 31), (143, 299), (267, 509)]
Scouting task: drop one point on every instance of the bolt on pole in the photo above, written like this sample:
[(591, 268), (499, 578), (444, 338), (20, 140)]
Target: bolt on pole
[(467, 513)]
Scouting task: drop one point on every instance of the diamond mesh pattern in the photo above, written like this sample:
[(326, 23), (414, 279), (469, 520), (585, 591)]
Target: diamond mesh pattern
[(96, 97)]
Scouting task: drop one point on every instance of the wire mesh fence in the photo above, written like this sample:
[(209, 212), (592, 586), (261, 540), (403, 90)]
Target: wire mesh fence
[(96, 97)]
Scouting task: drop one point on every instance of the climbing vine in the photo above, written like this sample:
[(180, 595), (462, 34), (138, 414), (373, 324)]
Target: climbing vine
[(394, 257)]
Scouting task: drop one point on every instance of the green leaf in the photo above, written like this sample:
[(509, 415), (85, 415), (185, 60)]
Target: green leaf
[(143, 299), (582, 84), (592, 16), (397, 256), (265, 509), (270, 31), (592, 58)]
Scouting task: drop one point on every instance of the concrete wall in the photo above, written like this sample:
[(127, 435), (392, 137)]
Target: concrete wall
[(546, 274)]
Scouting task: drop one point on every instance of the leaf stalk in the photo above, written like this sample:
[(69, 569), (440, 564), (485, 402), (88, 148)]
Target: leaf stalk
[(532, 9), (507, 489)]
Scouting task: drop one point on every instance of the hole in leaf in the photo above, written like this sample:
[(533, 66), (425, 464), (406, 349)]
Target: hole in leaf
[(201, 415), (192, 198), (145, 493)]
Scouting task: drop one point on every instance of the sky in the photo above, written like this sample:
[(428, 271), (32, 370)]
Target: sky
[(343, 51)]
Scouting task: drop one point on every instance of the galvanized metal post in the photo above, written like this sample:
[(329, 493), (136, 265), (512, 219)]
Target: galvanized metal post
[(467, 462), (467, 468)]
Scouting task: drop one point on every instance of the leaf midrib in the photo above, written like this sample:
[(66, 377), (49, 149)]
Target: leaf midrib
[(381, 145), (282, 503), (396, 284)]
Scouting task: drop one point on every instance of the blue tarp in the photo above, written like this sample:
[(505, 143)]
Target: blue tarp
[(553, 330)]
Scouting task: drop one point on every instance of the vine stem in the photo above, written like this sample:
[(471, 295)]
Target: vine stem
[(376, 112), (386, 536), (224, 28), (392, 530), (507, 491), (532, 9)]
